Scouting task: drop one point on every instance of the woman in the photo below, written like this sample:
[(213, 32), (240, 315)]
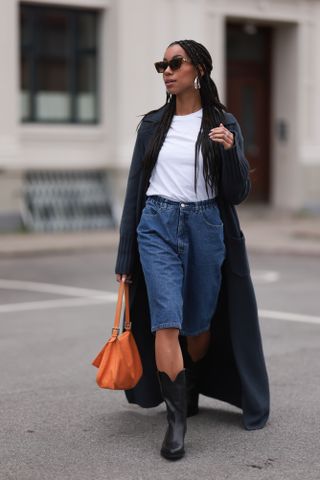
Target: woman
[(193, 305)]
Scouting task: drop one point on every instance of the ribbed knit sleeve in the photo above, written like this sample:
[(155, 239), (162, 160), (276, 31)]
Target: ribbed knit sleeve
[(128, 244), (235, 180), (126, 254)]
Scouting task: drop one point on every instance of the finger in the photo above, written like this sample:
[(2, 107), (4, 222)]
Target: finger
[(226, 136), (216, 130), (215, 138), (219, 130), (230, 138), (227, 143), (127, 278), (217, 135)]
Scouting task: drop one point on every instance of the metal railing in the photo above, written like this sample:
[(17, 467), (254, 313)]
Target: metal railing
[(66, 200)]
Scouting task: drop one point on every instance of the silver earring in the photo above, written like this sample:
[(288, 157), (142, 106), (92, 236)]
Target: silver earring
[(196, 83)]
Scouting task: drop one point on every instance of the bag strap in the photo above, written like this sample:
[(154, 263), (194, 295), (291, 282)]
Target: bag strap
[(127, 323), (123, 290)]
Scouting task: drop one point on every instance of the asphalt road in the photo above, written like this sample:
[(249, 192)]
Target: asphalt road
[(56, 312)]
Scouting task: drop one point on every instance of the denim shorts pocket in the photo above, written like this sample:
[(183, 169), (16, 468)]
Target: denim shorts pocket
[(151, 209), (211, 217)]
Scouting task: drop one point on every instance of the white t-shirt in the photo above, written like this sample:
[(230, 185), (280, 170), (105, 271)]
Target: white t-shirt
[(173, 174)]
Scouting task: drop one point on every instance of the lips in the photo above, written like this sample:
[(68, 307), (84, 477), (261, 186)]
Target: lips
[(168, 83)]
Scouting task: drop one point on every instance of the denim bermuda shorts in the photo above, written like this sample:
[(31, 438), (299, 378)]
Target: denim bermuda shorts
[(181, 247)]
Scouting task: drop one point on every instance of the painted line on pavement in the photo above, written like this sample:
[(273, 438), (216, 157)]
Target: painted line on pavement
[(49, 288), (87, 296), (90, 297), (265, 276), (289, 317), (111, 298), (59, 303)]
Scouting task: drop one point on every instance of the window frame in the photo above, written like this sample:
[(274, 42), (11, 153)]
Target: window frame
[(31, 54)]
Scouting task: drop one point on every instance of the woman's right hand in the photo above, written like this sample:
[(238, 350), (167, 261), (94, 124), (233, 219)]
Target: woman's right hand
[(126, 278)]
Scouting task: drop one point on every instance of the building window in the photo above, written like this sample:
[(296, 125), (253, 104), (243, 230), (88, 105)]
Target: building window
[(58, 64)]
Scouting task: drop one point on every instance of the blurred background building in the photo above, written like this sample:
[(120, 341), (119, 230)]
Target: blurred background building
[(76, 75)]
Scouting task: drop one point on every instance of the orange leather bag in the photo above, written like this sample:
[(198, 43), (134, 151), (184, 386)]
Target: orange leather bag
[(119, 364)]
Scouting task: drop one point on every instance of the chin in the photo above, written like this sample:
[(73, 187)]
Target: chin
[(172, 91)]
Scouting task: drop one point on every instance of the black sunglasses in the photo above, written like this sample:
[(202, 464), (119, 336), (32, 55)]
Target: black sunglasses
[(174, 64)]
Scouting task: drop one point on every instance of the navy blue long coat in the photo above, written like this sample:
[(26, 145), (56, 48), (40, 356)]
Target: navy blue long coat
[(234, 368)]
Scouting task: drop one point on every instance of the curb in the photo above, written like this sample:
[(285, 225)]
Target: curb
[(68, 243), (267, 231), (43, 244)]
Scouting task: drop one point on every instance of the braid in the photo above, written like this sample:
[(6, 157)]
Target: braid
[(158, 138), (212, 117)]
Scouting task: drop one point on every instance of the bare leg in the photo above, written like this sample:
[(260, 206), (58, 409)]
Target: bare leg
[(198, 345), (168, 352)]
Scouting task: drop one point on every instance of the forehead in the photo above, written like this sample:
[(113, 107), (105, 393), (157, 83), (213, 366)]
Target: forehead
[(173, 51)]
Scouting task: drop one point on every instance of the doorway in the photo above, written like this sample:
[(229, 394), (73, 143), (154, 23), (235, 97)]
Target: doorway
[(249, 98)]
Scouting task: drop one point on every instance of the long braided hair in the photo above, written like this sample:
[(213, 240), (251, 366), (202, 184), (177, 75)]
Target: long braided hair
[(211, 118)]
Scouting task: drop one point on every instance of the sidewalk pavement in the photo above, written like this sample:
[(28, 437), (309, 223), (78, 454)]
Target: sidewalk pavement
[(266, 231)]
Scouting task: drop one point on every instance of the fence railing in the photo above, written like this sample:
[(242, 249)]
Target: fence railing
[(68, 200)]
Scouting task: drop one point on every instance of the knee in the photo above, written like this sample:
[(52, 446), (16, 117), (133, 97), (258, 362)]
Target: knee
[(198, 346), (167, 334)]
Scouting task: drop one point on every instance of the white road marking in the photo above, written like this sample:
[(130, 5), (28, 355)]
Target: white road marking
[(265, 276), (290, 317), (91, 297), (111, 298), (87, 296), (60, 303), (49, 288)]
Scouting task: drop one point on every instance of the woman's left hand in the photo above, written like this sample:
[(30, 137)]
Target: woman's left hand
[(222, 135)]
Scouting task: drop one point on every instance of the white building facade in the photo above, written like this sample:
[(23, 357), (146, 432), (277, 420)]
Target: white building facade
[(72, 95)]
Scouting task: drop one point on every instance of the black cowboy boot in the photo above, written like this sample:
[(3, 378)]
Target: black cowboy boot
[(192, 392), (174, 395), (191, 383)]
